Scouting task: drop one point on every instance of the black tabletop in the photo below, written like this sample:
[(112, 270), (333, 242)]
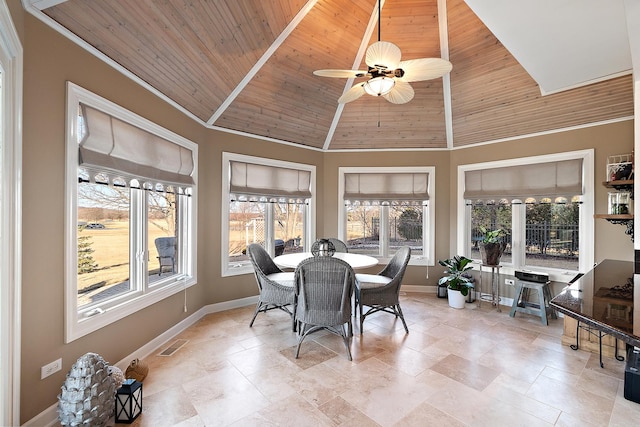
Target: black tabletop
[(604, 298)]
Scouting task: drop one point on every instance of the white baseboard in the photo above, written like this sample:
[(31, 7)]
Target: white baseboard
[(49, 417), (419, 289), (46, 418)]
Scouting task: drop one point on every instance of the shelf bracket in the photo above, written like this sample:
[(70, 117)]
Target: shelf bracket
[(627, 222)]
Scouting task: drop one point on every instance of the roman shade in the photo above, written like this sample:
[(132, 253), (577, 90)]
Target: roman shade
[(120, 150), (386, 187), (250, 179), (539, 180)]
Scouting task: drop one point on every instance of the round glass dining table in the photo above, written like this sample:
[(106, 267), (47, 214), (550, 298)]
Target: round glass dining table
[(356, 261)]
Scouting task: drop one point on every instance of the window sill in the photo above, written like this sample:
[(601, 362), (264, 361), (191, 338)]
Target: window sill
[(237, 269), (81, 325)]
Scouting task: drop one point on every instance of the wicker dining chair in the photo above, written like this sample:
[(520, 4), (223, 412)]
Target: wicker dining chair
[(276, 287), (339, 244), (324, 287), (381, 292)]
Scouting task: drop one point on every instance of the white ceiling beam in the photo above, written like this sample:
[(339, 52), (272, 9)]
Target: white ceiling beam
[(443, 24), (373, 21), (41, 4), (263, 59)]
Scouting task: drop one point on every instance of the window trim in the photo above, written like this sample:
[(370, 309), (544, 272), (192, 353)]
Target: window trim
[(587, 223), (77, 326), (11, 59), (309, 233), (428, 235)]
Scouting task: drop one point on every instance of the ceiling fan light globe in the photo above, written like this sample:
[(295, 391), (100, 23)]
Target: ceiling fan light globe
[(379, 86)]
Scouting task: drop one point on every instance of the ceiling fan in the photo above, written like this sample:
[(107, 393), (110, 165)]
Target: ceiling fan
[(387, 75)]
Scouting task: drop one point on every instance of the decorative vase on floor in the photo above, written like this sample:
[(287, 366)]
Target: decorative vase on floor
[(491, 253), (456, 299), (88, 393)]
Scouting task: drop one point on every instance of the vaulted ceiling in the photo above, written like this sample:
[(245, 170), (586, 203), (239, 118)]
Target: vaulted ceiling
[(246, 66)]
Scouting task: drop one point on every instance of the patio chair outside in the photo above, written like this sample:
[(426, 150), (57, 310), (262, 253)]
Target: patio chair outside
[(166, 247)]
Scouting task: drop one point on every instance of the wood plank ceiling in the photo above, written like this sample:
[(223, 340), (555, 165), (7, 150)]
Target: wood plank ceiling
[(246, 66)]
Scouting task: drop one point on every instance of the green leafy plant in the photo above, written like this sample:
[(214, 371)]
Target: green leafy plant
[(492, 236), (456, 278)]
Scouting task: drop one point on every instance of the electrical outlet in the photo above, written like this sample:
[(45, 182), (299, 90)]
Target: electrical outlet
[(509, 282), (50, 369)]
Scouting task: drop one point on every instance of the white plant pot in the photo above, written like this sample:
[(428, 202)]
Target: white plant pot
[(456, 299)]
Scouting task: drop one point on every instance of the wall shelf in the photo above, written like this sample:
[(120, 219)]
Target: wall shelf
[(621, 184), (621, 219)]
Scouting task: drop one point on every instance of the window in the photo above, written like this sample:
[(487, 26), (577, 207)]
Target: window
[(269, 202), (552, 235), (544, 204), (131, 189), (386, 208)]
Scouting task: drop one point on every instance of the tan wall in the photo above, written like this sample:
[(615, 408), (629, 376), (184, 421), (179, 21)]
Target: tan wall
[(50, 60), (209, 232)]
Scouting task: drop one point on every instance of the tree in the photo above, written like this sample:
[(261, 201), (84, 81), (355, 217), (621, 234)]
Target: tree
[(86, 263), (288, 219), (491, 217), (101, 201), (410, 224), (162, 211), (539, 213), (366, 215)]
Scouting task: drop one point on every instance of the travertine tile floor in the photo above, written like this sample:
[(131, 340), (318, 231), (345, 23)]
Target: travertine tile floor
[(475, 367)]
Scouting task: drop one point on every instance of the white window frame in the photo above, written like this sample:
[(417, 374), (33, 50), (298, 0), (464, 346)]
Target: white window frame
[(82, 322), (11, 66), (428, 219), (245, 267), (587, 224)]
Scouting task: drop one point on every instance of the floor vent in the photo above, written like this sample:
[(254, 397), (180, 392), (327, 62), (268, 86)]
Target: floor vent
[(169, 351)]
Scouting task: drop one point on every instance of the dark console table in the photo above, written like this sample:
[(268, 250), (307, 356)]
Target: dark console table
[(603, 300)]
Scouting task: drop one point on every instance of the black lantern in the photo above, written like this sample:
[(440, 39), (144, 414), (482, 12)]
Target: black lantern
[(129, 401)]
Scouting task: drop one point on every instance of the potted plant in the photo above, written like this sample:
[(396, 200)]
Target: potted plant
[(492, 245), (458, 283)]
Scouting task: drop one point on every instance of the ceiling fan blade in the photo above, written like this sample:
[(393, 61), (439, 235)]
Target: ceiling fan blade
[(383, 53), (424, 69), (352, 94), (401, 93), (345, 74)]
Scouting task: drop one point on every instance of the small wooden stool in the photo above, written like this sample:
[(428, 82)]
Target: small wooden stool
[(541, 308)]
